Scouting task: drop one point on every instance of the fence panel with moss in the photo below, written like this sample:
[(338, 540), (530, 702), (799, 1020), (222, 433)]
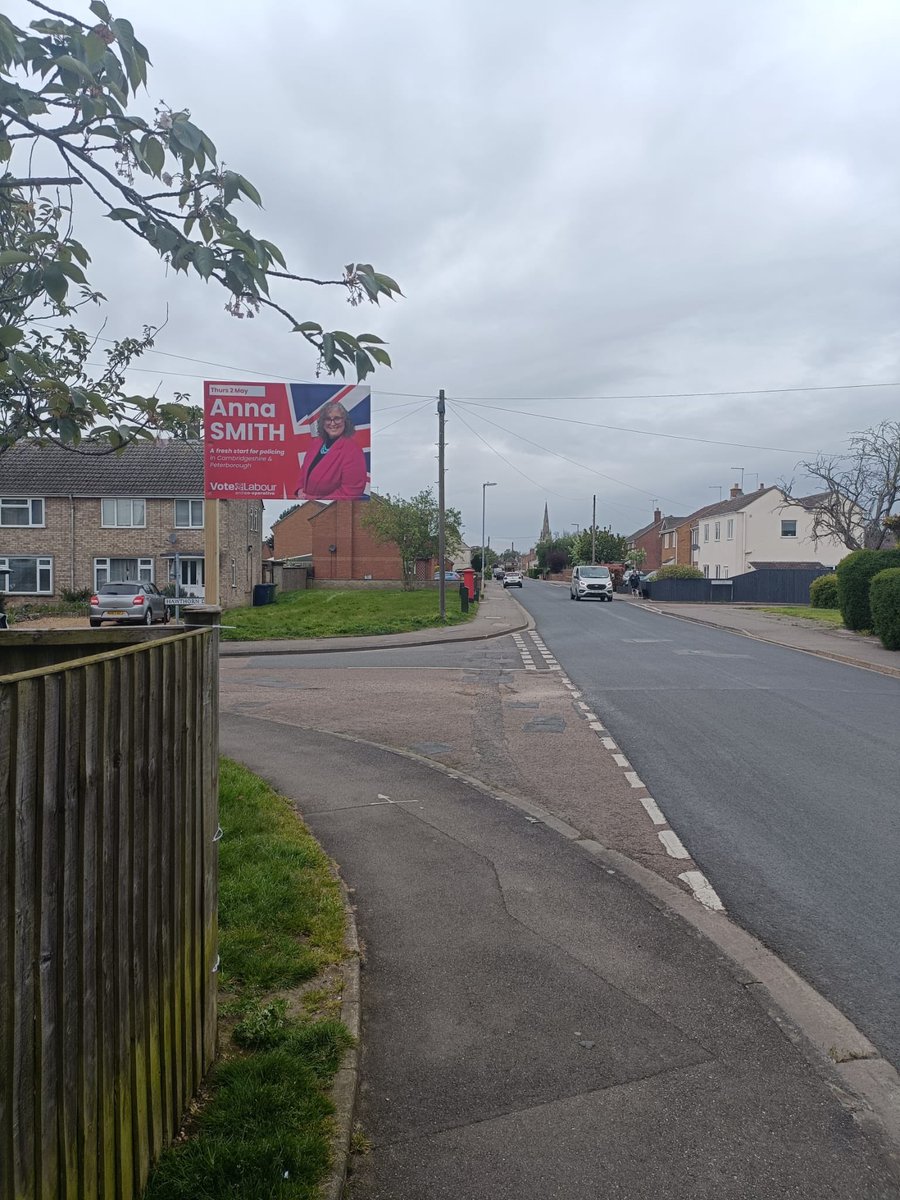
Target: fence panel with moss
[(108, 819)]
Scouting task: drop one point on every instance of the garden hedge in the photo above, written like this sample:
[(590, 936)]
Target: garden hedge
[(823, 592), (854, 574), (884, 599), (679, 571)]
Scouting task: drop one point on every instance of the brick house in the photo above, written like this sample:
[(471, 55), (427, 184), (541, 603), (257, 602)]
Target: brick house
[(292, 533), (344, 550), (72, 521), (648, 540)]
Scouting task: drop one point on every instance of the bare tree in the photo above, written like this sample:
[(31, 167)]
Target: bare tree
[(859, 488)]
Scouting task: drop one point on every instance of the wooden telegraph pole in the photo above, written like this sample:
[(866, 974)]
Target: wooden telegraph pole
[(211, 552), (442, 584)]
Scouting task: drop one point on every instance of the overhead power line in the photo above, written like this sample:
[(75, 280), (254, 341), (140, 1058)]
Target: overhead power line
[(678, 437), (583, 466), (825, 387)]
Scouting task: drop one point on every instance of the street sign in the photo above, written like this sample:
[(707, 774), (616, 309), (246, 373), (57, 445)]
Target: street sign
[(183, 601)]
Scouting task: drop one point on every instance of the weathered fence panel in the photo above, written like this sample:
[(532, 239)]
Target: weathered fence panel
[(766, 586), (108, 819)]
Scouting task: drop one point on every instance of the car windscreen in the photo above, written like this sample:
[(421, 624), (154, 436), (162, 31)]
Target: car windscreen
[(120, 589), (594, 572)]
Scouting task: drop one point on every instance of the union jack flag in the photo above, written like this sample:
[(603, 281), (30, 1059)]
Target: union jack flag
[(309, 399)]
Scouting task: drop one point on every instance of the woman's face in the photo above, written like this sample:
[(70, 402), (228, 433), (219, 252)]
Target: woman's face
[(333, 422)]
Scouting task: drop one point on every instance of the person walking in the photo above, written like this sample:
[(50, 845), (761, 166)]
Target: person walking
[(634, 580)]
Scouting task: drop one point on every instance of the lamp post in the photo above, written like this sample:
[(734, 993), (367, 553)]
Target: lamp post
[(484, 488)]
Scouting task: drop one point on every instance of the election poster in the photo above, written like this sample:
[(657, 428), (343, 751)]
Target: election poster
[(284, 441)]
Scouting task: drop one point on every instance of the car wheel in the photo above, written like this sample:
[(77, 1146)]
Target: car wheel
[(571, 595), (148, 617), (577, 597), (95, 622)]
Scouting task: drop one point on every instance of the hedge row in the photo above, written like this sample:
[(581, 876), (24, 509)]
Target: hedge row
[(884, 600), (854, 576), (823, 592)]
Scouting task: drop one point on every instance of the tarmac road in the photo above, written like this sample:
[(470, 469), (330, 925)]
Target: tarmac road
[(780, 772)]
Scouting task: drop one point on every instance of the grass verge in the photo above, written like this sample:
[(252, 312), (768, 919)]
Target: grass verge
[(825, 616), (308, 614), (263, 1127)]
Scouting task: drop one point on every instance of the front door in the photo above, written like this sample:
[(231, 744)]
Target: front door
[(192, 577)]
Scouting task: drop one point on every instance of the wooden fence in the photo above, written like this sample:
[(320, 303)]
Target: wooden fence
[(108, 822)]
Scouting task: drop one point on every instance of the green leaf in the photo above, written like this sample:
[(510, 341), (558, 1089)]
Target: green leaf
[(122, 214), (154, 154), (249, 190), (364, 365), (124, 31), (371, 337), (9, 258), (307, 327), (204, 261), (380, 356), (55, 283), (387, 284), (187, 134), (99, 9), (9, 336), (66, 62)]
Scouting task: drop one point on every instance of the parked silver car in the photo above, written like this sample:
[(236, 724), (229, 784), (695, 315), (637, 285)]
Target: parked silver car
[(128, 603), (591, 583)]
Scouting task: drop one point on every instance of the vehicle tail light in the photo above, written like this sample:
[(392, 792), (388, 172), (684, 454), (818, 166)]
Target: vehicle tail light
[(94, 600), (138, 600)]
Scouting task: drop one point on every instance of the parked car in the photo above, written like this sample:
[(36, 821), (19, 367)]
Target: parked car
[(512, 579), (450, 576), (128, 603), (591, 583), (499, 572)]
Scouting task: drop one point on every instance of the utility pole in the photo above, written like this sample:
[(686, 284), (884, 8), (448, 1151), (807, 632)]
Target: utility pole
[(594, 534), (442, 581)]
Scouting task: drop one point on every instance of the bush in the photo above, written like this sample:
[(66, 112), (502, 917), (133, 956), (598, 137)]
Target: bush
[(679, 571), (823, 592), (854, 575), (884, 599), (76, 595)]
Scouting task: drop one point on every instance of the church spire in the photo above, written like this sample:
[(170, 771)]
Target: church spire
[(545, 528)]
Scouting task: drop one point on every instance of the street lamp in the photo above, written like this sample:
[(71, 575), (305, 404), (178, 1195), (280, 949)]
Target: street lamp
[(484, 488)]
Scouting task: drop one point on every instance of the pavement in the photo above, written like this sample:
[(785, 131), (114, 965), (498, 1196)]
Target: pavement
[(798, 633), (547, 1010)]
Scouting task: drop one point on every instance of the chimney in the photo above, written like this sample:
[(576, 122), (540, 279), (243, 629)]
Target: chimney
[(735, 492), (657, 516)]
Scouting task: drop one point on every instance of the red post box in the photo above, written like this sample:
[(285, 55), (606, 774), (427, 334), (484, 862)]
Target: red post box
[(468, 575)]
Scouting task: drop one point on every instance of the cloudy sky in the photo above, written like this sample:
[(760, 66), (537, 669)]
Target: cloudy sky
[(593, 208)]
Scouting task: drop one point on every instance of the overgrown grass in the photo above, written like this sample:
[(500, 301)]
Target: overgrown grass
[(307, 614), (264, 1130), (825, 616)]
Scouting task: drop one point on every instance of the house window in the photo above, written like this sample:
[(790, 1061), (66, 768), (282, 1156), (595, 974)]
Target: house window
[(188, 514), (254, 519), (788, 528), (122, 514), (122, 570), (718, 531), (21, 512), (718, 571), (724, 572), (729, 529), (706, 570), (28, 575)]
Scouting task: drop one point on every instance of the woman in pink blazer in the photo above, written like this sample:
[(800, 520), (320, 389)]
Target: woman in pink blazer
[(335, 466)]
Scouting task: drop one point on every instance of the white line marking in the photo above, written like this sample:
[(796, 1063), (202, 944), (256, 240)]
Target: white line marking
[(632, 778), (597, 727), (621, 761), (590, 716), (703, 890), (609, 744), (389, 800), (653, 810), (530, 667), (584, 707), (672, 843)]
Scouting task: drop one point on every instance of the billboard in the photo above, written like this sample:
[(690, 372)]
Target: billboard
[(279, 441)]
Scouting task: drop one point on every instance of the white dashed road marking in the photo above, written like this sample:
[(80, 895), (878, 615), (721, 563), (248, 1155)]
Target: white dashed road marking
[(673, 843), (703, 890)]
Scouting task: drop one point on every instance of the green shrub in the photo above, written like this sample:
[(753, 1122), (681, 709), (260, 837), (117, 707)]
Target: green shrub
[(679, 571), (854, 574), (884, 600), (76, 595), (823, 592)]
